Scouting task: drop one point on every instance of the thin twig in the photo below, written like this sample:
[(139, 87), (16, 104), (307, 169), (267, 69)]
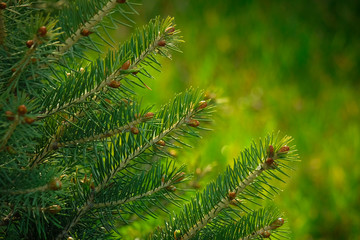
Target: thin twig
[(224, 202)]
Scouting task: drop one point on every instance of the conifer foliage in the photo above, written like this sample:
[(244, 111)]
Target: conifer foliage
[(80, 154)]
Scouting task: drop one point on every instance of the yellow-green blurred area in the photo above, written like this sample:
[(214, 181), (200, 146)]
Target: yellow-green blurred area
[(292, 66)]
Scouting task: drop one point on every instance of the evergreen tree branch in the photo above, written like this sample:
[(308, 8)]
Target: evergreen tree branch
[(190, 109), (123, 164), (134, 190), (132, 54), (225, 202), (36, 43), (80, 212), (257, 224), (75, 37), (246, 180), (55, 142)]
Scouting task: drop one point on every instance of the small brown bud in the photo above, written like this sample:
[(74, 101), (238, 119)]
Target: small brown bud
[(13, 69), (202, 105), (121, 1), (54, 209), (92, 186), (126, 65), (179, 177), (277, 223), (33, 60), (271, 151), (161, 43), (107, 100), (269, 161), (134, 73), (9, 115), (193, 123), (42, 31), (161, 143), (163, 179), (266, 234), (170, 30), (55, 184), (149, 115), (114, 84), (29, 120), (134, 130), (284, 149), (232, 195), (22, 110), (29, 43), (2, 5), (85, 32)]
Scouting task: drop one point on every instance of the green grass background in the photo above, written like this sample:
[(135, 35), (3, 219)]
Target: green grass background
[(281, 65)]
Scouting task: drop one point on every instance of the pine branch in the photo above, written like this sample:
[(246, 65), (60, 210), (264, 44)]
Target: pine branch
[(91, 134), (225, 202), (83, 17), (20, 59), (132, 54), (80, 32), (240, 181), (166, 130), (142, 187), (258, 224), (187, 106)]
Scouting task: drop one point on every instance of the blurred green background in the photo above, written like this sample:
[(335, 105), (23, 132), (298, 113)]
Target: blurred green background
[(292, 66)]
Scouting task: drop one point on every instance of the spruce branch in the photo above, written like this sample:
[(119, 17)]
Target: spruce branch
[(224, 202), (87, 26), (142, 188), (246, 180), (187, 106), (261, 223), (56, 143), (126, 61), (23, 63), (176, 125)]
